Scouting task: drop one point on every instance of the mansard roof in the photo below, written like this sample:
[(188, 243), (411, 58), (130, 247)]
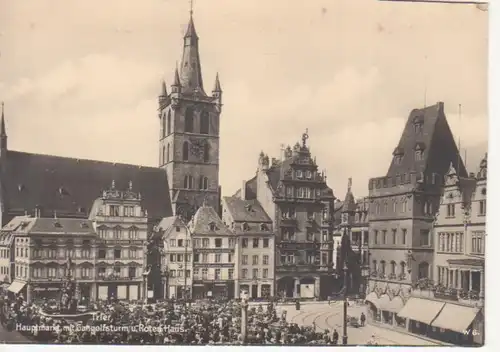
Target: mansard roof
[(69, 186)]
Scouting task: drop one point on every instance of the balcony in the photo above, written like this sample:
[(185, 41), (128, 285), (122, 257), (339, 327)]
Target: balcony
[(441, 293), (288, 222), (299, 245), (306, 267)]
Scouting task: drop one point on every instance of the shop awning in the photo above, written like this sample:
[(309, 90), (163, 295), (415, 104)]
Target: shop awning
[(421, 310), (16, 286), (393, 305), (372, 298), (456, 318)]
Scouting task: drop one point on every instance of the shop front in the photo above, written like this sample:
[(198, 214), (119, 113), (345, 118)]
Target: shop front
[(47, 291), (118, 290)]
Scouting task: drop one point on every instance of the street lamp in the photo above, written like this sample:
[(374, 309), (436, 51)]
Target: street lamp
[(244, 315), (344, 336)]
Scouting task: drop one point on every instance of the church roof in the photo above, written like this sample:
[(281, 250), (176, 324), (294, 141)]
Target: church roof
[(207, 222), (246, 210), (69, 186)]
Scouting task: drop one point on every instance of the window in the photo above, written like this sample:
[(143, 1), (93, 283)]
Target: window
[(288, 213), (255, 260), (482, 207), (230, 274), (423, 270), (394, 239), (298, 174), (204, 122), (244, 273), (163, 155), (185, 151), (375, 237), (132, 272), (172, 258), (477, 242), (232, 242), (172, 273), (168, 153), (132, 233), (204, 258), (85, 253), (117, 233), (393, 267), (169, 123), (101, 254), (229, 258), (244, 259), (244, 243), (205, 242), (180, 258), (189, 120), (419, 155), (117, 253), (203, 183), (206, 152), (188, 182), (114, 210), (265, 243), (102, 233), (196, 258), (188, 273), (450, 210), (217, 274), (424, 238), (180, 243), (403, 236), (265, 273), (384, 237), (255, 243), (204, 273), (382, 267), (217, 258), (289, 191), (403, 268), (265, 259), (308, 174), (218, 242), (374, 265), (255, 273)]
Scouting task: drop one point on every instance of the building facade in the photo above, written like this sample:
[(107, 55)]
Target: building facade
[(214, 247), (7, 254), (294, 193), (177, 257), (403, 205), (255, 247), (120, 257), (189, 133)]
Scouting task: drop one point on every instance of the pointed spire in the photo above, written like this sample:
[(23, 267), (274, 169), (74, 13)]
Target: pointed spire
[(349, 202), (3, 132), (177, 81), (190, 73), (217, 88), (191, 31), (163, 89)]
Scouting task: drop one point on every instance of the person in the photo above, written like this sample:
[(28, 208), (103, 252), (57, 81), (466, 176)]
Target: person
[(373, 341), (335, 337), (362, 318)]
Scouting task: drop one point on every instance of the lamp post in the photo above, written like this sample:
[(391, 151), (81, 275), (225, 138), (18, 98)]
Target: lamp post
[(344, 336), (244, 315)]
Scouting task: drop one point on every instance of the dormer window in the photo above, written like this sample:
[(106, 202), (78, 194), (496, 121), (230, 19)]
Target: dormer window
[(418, 123), (212, 226), (263, 227), (298, 174), (63, 191), (308, 174), (245, 226), (398, 155), (419, 151), (248, 207)]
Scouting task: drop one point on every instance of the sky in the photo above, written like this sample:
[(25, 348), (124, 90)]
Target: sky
[(81, 78)]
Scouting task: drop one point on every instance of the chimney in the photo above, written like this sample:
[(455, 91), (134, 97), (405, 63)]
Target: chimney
[(244, 190)]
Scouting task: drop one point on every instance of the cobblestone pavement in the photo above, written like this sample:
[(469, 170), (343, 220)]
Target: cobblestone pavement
[(12, 337), (330, 317)]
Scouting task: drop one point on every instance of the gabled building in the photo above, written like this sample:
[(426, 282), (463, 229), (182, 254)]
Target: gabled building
[(295, 195), (403, 204), (214, 248), (255, 247), (176, 257), (7, 253), (120, 248)]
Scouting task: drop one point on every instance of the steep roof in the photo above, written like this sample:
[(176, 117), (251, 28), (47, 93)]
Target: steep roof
[(52, 226), (190, 75), (207, 222), (246, 210), (69, 186), (428, 131)]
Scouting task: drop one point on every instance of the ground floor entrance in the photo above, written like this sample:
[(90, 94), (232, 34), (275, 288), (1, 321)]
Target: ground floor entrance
[(120, 291), (224, 290), (298, 287)]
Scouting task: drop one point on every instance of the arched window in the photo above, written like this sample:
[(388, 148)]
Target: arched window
[(189, 120), (423, 270), (163, 127), (206, 152), (188, 181), (203, 182), (403, 268), (185, 151), (374, 265), (204, 122), (169, 123), (168, 152), (382, 267), (163, 155), (393, 267)]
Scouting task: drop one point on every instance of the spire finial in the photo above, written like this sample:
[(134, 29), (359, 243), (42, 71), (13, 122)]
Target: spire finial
[(191, 8), (2, 107), (349, 184), (305, 137)]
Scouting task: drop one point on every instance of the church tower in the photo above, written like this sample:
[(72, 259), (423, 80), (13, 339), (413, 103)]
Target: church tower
[(189, 133)]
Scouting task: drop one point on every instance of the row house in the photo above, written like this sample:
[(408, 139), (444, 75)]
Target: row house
[(254, 254)]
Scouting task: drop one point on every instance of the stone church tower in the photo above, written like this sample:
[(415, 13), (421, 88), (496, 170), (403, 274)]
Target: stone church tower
[(189, 133)]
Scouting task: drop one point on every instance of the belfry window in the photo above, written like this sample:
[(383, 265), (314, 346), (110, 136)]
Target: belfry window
[(164, 125), (206, 152), (204, 122), (169, 123), (189, 120), (185, 151)]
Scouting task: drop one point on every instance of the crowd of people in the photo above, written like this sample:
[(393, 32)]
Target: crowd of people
[(166, 322)]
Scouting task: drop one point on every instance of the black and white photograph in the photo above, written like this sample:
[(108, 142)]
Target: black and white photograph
[(261, 172)]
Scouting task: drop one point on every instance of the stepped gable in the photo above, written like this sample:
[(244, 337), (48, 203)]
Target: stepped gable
[(428, 131), (246, 210), (69, 186)]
